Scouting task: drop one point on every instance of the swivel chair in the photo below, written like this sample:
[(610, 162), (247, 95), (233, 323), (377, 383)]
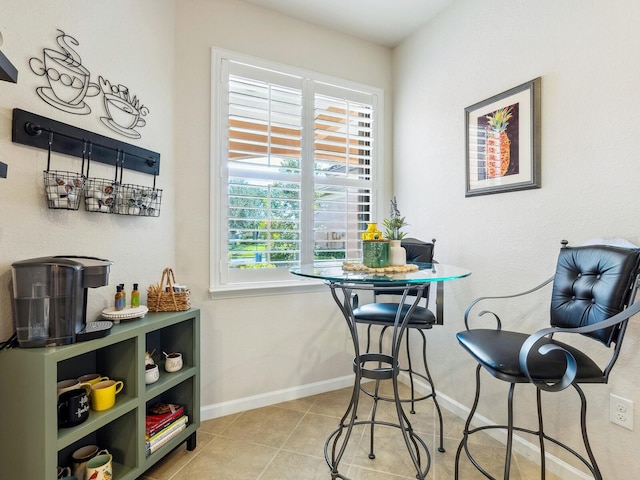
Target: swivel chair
[(592, 287), (384, 315)]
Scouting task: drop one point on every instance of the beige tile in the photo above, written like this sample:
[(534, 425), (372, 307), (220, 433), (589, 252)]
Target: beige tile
[(391, 452), (335, 403), (358, 473), (178, 458), (300, 404), (228, 459), (530, 469), (257, 426), (283, 442), (218, 425), (294, 466), (310, 436), (423, 421)]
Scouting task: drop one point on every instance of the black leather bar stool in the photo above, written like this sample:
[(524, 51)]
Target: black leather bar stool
[(592, 287)]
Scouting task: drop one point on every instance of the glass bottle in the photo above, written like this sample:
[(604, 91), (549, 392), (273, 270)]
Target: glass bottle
[(135, 296), (119, 298)]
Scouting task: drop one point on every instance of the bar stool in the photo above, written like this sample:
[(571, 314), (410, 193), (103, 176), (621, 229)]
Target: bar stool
[(592, 287)]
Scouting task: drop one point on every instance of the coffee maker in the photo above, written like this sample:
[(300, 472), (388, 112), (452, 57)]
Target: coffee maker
[(50, 297)]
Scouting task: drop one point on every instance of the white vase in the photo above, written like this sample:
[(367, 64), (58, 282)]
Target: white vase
[(397, 254)]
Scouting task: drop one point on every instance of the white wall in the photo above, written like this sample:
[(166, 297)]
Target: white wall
[(258, 345), (162, 51), (131, 43), (585, 52)]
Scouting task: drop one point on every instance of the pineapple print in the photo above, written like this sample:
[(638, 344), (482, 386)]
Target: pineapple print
[(497, 150)]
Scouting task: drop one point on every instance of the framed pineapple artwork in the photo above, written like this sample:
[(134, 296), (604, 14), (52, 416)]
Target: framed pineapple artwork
[(503, 141)]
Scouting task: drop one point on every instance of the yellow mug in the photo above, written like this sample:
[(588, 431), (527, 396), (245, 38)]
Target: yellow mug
[(103, 394)]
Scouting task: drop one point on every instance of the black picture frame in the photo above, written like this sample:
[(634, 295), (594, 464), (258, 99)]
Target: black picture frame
[(503, 141)]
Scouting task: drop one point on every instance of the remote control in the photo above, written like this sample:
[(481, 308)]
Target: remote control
[(94, 330)]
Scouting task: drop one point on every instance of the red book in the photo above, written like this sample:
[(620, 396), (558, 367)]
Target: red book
[(157, 421)]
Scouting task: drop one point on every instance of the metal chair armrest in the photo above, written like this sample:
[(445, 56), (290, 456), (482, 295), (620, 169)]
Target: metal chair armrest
[(571, 368), (497, 318)]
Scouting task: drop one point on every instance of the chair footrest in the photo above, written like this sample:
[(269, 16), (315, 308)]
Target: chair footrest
[(386, 367)]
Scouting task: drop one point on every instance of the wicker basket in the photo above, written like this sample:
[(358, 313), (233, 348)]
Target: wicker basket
[(162, 296)]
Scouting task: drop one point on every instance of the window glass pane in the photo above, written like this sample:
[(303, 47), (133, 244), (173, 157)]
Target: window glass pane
[(340, 215), (264, 224)]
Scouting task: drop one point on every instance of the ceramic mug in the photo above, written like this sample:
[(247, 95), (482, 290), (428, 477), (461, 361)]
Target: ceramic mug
[(80, 458), (72, 384), (100, 467), (92, 378), (173, 362), (103, 395), (73, 407)]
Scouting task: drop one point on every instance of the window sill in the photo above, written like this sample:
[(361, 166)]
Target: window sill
[(266, 289)]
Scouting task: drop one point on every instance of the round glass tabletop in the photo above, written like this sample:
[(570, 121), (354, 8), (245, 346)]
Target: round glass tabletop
[(427, 272)]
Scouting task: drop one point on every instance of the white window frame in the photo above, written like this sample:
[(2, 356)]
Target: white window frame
[(218, 196)]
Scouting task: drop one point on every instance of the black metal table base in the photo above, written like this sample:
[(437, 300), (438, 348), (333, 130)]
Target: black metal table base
[(384, 368)]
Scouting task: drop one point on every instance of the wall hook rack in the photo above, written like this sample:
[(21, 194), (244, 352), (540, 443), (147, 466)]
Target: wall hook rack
[(28, 129)]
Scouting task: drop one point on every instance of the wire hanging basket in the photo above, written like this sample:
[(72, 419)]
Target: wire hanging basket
[(100, 193), (138, 200), (63, 190)]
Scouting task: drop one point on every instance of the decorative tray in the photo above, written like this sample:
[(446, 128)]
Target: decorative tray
[(128, 313), (358, 267)]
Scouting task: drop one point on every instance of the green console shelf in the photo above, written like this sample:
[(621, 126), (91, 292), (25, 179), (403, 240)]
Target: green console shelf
[(32, 446)]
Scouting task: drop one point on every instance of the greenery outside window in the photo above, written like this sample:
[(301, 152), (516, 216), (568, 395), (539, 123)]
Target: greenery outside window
[(293, 172)]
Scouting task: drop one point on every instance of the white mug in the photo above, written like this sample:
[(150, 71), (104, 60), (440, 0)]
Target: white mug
[(72, 384), (100, 467)]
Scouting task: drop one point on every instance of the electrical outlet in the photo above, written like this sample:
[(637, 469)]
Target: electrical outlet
[(621, 411)]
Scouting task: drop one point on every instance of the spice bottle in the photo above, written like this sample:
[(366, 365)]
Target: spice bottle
[(135, 296), (119, 298)]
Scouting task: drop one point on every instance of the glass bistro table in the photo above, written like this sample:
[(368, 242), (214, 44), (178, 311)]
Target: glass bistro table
[(378, 366)]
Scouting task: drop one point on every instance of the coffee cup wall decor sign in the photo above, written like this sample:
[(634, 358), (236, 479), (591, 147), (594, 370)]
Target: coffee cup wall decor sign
[(69, 85)]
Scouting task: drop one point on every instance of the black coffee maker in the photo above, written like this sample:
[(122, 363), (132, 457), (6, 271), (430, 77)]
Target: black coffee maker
[(50, 297)]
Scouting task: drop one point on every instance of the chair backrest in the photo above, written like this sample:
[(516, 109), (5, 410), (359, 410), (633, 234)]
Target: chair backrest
[(591, 284), (417, 251)]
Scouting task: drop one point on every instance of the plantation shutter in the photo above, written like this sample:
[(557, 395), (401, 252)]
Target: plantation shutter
[(297, 171), (342, 171)]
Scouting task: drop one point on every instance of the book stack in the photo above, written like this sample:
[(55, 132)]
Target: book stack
[(163, 422)]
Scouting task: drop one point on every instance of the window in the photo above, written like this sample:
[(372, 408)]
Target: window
[(293, 172)]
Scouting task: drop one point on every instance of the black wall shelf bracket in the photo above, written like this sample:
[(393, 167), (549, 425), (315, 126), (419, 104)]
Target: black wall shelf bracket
[(30, 129), (8, 72)]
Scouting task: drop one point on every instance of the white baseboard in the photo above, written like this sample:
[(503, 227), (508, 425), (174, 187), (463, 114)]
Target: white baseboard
[(520, 445), (207, 412)]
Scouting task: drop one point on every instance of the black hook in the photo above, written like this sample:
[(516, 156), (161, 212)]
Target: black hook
[(33, 129)]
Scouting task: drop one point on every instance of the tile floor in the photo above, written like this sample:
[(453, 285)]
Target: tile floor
[(286, 442)]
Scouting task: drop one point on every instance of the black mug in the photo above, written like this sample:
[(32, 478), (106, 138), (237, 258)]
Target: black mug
[(73, 407)]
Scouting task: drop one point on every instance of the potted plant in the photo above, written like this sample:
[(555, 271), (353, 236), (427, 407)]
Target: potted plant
[(393, 231), (395, 222)]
